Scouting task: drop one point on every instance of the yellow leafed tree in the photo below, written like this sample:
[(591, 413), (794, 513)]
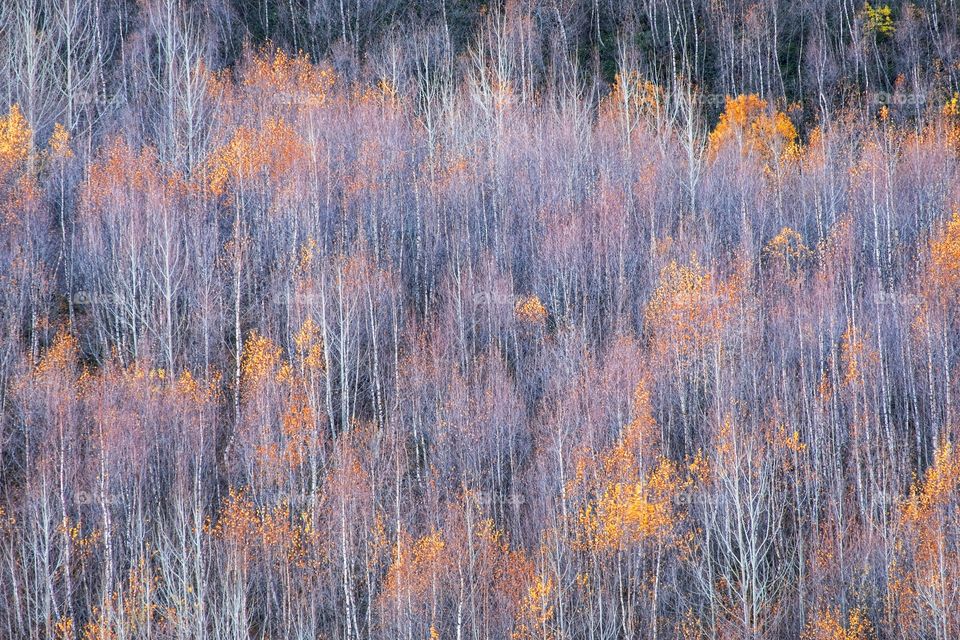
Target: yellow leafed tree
[(750, 123)]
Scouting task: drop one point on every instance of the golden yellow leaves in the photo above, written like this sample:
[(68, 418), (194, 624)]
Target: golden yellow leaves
[(624, 505), (951, 121), (951, 107), (18, 186), (530, 310), (877, 20), (63, 629), (247, 527), (263, 360), (266, 153), (689, 309), (60, 356), (627, 514), (129, 180), (59, 143), (292, 80), (424, 570), (944, 271), (637, 441), (633, 97), (383, 94), (536, 611), (125, 613), (260, 359), (187, 387), (747, 121), (416, 564), (787, 249), (939, 488), (15, 139), (829, 625), (276, 86), (927, 564), (852, 352), (266, 372), (309, 344), (307, 253)]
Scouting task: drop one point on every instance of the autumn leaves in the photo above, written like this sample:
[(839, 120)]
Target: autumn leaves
[(364, 370)]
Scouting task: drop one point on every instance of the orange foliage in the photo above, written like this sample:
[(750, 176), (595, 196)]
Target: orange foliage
[(747, 120), (129, 181), (309, 344), (59, 143), (19, 190), (627, 514), (292, 80), (537, 611), (60, 356), (829, 625), (530, 310), (633, 97), (689, 309), (261, 358), (939, 487), (16, 138), (925, 582), (127, 613), (857, 357), (787, 249), (268, 153), (64, 629), (416, 564), (943, 273), (278, 529), (627, 505)]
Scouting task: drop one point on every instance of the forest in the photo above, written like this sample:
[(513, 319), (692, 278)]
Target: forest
[(466, 320)]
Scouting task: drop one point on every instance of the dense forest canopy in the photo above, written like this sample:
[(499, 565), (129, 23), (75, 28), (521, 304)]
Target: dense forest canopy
[(535, 320)]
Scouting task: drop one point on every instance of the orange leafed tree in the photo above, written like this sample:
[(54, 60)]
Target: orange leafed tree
[(689, 309), (750, 125), (925, 591), (256, 157), (830, 625)]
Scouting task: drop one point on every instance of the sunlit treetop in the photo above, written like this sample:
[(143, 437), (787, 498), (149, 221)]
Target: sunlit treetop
[(530, 310), (122, 175), (749, 122), (19, 190), (15, 139), (829, 624), (261, 358), (269, 152), (625, 514), (309, 345), (856, 355), (787, 250), (633, 96), (952, 106), (877, 20), (60, 356), (291, 81), (940, 486), (689, 308), (59, 143), (944, 270), (416, 563), (242, 524), (536, 611), (383, 94)]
